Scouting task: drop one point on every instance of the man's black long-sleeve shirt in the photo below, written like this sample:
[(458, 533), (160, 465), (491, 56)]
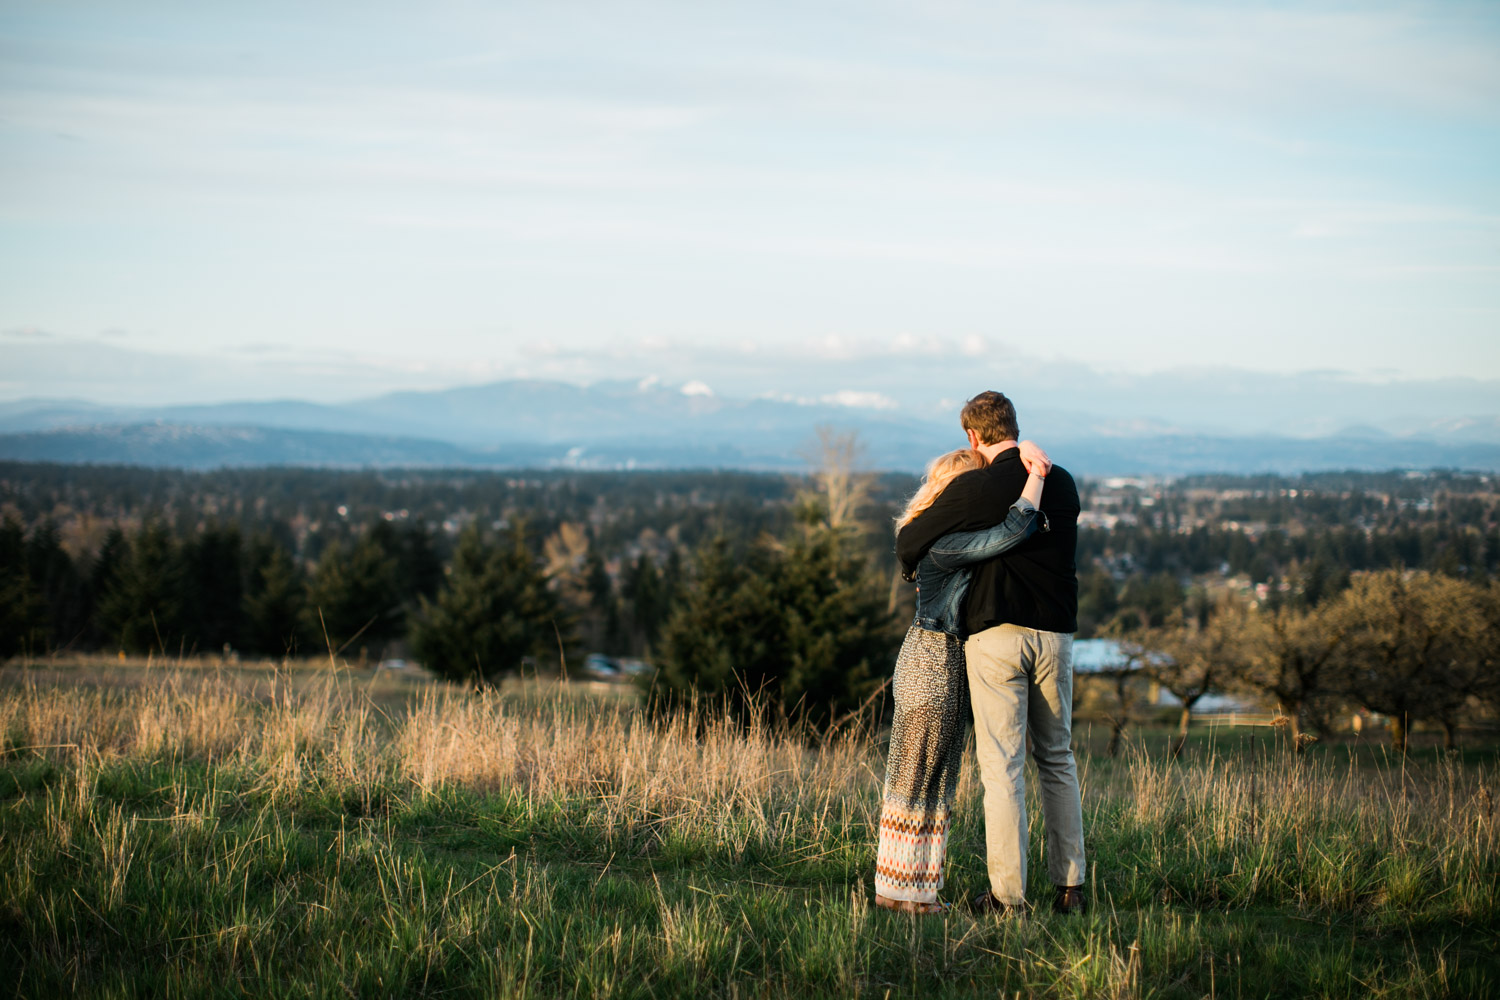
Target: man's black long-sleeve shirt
[(1036, 583)]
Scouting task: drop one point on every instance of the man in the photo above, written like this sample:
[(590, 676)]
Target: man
[(1020, 613)]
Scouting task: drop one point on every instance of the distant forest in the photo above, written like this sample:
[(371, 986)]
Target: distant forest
[(106, 557)]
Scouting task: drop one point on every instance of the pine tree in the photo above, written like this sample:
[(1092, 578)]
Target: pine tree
[(276, 606), (710, 643), (57, 581), (101, 577), (493, 611), (215, 587), (141, 610), (839, 635), (801, 629), (419, 568), (647, 608), (354, 595), (23, 608), (601, 616)]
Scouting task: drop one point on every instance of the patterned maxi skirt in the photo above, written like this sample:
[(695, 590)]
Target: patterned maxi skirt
[(932, 719)]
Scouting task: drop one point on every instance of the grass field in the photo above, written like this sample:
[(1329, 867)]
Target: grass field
[(201, 830)]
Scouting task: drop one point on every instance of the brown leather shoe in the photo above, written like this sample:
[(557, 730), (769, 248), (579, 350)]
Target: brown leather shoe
[(985, 904), (1069, 901)]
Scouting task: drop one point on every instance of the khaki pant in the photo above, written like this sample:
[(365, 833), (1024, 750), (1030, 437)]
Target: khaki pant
[(1021, 679)]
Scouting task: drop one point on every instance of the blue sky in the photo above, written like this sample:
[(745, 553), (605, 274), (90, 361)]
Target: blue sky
[(241, 200)]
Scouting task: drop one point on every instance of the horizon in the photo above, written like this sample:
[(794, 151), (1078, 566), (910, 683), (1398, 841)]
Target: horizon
[(1211, 402)]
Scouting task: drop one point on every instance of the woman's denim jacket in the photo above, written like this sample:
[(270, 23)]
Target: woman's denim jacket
[(944, 573)]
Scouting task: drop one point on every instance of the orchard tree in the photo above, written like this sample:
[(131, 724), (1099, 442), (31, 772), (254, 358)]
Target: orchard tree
[(1489, 692), (1416, 648), (1190, 657), (1289, 655)]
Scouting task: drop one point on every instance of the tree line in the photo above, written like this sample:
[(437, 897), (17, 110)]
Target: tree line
[(387, 586), (1279, 531), (800, 621), (762, 590)]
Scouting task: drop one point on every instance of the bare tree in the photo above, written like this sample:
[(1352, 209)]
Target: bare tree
[(564, 562), (1124, 677), (841, 482)]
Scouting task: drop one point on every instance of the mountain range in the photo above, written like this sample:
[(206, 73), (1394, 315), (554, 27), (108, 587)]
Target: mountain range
[(648, 424)]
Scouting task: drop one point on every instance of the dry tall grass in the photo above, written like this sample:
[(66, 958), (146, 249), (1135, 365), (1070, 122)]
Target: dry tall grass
[(545, 741), (1168, 840), (694, 769)]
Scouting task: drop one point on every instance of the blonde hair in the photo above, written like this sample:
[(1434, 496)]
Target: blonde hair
[(940, 472)]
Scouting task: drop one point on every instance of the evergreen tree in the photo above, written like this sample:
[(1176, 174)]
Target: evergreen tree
[(601, 620), (275, 606), (101, 577), (57, 581), (142, 608), (670, 583), (800, 629), (596, 579), (23, 607), (1149, 601), (354, 596), (648, 608), (721, 637), (493, 611), (839, 635), (212, 566), (419, 567)]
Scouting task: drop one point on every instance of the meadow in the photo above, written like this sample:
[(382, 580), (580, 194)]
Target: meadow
[(210, 829)]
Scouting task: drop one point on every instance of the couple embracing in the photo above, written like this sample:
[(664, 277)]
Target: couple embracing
[(990, 540)]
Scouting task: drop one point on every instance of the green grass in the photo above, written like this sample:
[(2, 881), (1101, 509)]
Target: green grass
[(198, 871)]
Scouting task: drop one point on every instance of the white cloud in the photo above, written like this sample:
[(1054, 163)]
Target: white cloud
[(861, 400)]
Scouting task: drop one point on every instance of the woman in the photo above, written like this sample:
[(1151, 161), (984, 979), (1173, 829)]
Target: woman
[(932, 693)]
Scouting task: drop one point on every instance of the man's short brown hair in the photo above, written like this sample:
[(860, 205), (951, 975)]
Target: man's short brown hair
[(991, 416)]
